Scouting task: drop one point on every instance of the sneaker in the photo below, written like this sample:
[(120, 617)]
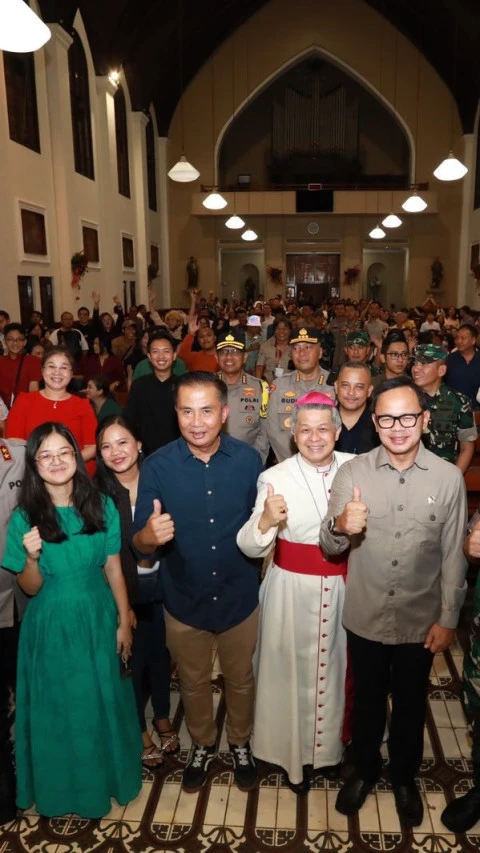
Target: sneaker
[(245, 771), (196, 768)]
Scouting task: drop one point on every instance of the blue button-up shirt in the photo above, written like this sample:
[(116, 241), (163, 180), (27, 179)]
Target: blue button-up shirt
[(464, 376), (207, 582)]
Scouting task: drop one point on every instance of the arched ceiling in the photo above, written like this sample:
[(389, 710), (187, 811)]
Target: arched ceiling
[(143, 37)]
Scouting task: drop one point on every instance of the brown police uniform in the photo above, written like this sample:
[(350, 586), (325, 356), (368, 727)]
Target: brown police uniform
[(248, 401)]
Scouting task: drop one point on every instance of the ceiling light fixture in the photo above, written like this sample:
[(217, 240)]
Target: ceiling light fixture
[(377, 233), (235, 222), (391, 221), (182, 172), (452, 169), (414, 203), (249, 235), (214, 201), (21, 30), (114, 78)]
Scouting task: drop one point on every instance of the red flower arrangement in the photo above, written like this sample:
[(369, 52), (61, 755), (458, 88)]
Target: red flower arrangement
[(79, 265), (275, 274), (350, 275)]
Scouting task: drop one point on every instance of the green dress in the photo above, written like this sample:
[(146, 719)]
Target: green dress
[(78, 740)]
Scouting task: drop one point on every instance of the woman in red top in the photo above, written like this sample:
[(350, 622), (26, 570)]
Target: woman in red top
[(54, 403), (102, 363), (206, 357)]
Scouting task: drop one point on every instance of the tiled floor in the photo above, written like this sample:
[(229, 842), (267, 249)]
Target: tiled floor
[(220, 818)]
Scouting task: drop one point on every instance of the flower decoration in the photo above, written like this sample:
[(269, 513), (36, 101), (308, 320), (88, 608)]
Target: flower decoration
[(275, 274), (351, 274), (79, 266)]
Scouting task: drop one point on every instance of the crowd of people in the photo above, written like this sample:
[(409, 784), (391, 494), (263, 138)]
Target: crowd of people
[(281, 479)]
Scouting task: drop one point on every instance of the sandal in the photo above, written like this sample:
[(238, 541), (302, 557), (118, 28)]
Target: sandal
[(167, 738), (152, 753)]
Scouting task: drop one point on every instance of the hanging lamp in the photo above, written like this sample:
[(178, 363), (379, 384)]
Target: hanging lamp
[(21, 30), (452, 169), (182, 172)]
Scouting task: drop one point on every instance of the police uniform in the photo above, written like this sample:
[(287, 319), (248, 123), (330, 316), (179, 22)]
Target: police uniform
[(247, 419), (247, 400), (284, 392)]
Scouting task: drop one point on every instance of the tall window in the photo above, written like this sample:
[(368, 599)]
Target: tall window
[(22, 99), (121, 134), (80, 104), (151, 166)]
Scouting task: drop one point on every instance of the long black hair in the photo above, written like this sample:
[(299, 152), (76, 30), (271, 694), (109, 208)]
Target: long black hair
[(105, 478), (34, 497)]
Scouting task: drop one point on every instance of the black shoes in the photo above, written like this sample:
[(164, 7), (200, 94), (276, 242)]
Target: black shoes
[(408, 803), (245, 772), (352, 796), (462, 814), (300, 788), (196, 768)]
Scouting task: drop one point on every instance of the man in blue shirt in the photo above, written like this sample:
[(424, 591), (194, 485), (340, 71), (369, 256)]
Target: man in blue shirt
[(194, 495), (463, 366)]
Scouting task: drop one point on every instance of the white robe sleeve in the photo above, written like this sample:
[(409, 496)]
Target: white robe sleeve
[(249, 539)]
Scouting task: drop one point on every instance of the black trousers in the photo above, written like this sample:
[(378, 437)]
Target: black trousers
[(379, 669), (8, 664), (150, 657)]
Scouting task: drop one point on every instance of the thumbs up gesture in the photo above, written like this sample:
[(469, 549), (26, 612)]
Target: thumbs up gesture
[(275, 510), (32, 543), (353, 519), (160, 527)]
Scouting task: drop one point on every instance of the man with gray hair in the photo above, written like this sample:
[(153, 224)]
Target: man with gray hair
[(302, 657)]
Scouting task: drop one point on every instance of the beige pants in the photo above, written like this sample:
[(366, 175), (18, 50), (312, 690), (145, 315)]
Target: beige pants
[(191, 648)]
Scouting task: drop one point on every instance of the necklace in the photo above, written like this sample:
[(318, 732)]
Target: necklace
[(324, 473)]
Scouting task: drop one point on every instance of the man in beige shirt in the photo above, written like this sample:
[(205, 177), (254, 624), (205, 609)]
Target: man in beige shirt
[(402, 510)]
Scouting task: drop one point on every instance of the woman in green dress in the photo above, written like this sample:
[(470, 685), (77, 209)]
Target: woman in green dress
[(77, 734)]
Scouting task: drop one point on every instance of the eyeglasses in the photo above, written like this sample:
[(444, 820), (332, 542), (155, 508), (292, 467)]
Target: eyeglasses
[(46, 459), (62, 369), (14, 340), (398, 355), (387, 421)]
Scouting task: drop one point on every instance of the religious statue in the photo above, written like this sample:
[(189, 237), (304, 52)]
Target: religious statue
[(437, 272), (192, 273)]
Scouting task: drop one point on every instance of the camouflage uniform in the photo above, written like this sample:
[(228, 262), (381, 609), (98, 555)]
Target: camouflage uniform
[(451, 421), (247, 419), (471, 673), (284, 392)]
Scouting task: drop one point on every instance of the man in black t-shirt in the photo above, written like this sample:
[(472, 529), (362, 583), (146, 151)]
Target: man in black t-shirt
[(353, 388)]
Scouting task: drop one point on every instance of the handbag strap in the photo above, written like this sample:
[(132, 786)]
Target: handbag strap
[(17, 379)]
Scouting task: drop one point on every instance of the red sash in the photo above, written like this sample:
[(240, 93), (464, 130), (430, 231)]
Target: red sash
[(307, 560)]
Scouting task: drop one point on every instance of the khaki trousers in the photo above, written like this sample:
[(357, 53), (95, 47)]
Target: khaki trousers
[(191, 649)]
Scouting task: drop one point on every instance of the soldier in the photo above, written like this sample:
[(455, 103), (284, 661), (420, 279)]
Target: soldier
[(306, 352), (357, 348), (451, 430), (247, 396)]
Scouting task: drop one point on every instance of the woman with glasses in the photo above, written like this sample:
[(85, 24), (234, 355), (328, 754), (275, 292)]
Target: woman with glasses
[(77, 737), (55, 403), (119, 452)]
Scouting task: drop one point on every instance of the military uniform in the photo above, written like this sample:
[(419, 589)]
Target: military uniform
[(284, 392), (451, 421), (247, 420)]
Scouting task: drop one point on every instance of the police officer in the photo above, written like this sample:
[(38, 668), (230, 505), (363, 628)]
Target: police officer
[(247, 396), (306, 352), (12, 605), (451, 430)]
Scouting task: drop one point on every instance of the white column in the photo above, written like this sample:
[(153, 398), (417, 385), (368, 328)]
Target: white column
[(59, 109), (110, 245), (140, 199), (164, 294), (465, 291)]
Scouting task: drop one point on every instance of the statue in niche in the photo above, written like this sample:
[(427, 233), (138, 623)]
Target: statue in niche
[(249, 290), (437, 273), (192, 273)]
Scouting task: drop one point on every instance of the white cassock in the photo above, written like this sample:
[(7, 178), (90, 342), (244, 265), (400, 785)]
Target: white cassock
[(301, 657)]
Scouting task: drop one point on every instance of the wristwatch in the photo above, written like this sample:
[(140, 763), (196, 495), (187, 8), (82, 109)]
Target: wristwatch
[(331, 527)]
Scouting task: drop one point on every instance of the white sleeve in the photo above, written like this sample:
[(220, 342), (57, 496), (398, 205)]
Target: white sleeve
[(83, 342), (249, 539)]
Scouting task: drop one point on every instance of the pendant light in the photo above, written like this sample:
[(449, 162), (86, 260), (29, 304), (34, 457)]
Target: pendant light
[(415, 203), (392, 220), (214, 201), (452, 169), (235, 222), (249, 235), (21, 30), (182, 172), (377, 233)]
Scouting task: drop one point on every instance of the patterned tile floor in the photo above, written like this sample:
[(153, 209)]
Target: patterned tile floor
[(220, 818)]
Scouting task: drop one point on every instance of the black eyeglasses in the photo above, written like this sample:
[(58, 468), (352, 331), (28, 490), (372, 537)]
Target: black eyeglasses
[(387, 421)]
